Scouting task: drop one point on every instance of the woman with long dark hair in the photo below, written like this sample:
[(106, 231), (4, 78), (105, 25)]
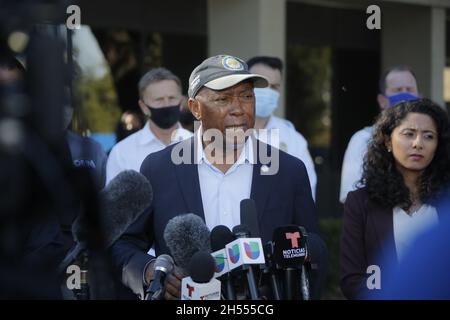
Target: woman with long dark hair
[(406, 170)]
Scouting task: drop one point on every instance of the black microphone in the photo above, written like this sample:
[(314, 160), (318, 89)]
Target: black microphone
[(201, 284), (289, 254), (246, 251), (270, 269), (184, 236), (220, 237), (316, 264), (122, 201), (163, 266), (249, 216)]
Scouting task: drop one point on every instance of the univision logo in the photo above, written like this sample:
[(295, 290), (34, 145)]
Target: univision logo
[(252, 250), (220, 263), (233, 253)]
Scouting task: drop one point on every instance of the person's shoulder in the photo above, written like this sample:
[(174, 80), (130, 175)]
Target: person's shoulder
[(129, 142), (289, 129), (360, 139), (165, 155), (363, 133), (359, 195), (85, 142), (283, 122)]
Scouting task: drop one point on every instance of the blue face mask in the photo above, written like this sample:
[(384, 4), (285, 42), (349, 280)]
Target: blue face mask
[(399, 97), (266, 101)]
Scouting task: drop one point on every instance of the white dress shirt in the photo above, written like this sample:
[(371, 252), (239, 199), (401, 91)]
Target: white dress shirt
[(129, 153), (408, 227), (293, 143), (222, 192), (352, 166)]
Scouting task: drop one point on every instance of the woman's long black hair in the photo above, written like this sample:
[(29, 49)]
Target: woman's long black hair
[(383, 182)]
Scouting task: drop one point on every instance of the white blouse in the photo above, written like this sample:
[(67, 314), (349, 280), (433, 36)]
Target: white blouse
[(408, 227)]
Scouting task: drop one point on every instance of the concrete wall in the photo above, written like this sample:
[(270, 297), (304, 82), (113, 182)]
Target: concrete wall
[(246, 28), (415, 35)]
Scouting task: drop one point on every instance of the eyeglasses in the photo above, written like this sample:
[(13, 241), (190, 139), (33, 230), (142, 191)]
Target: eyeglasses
[(223, 100)]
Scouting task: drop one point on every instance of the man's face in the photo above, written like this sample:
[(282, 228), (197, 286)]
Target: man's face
[(160, 94), (230, 110), (273, 75), (398, 82)]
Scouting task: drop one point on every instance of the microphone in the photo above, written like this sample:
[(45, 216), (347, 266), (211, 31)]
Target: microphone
[(249, 217), (201, 284), (244, 252), (289, 254), (184, 236), (220, 237), (163, 266), (122, 201), (316, 264), (270, 268)]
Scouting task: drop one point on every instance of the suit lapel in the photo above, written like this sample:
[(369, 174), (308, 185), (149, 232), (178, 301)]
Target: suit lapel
[(187, 175), (383, 223), (260, 186)]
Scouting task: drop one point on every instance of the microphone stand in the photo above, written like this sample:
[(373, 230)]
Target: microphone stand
[(83, 293), (291, 284), (251, 283)]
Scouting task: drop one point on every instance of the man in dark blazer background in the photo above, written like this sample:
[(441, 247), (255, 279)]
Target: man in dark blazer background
[(221, 97)]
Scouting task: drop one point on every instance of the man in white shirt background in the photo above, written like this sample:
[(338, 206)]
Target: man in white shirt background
[(160, 96), (290, 140), (397, 84)]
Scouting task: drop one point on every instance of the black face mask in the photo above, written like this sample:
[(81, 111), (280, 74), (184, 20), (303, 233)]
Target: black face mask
[(165, 117)]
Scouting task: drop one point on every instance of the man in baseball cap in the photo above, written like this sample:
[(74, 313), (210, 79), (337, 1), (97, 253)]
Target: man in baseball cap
[(221, 72), (211, 179), (221, 97)]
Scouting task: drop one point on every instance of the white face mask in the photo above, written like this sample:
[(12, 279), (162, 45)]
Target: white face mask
[(266, 101)]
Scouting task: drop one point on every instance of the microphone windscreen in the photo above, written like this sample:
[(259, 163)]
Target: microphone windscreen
[(241, 231), (289, 246), (122, 201), (220, 237), (184, 236), (201, 267), (249, 217)]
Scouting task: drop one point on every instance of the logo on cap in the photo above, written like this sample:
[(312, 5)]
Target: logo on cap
[(232, 63)]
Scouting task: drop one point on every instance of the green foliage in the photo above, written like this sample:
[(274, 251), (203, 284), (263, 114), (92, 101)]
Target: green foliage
[(99, 110), (330, 229), (308, 90)]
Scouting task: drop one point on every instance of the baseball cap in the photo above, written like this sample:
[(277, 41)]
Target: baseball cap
[(221, 72)]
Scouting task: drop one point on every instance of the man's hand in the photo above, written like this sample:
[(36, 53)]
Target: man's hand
[(172, 282), (149, 271)]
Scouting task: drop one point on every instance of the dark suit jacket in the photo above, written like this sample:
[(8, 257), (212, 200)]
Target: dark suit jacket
[(367, 239), (283, 198)]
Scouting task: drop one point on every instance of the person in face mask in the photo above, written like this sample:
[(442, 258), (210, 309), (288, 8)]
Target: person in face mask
[(290, 141), (159, 99), (397, 84)]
